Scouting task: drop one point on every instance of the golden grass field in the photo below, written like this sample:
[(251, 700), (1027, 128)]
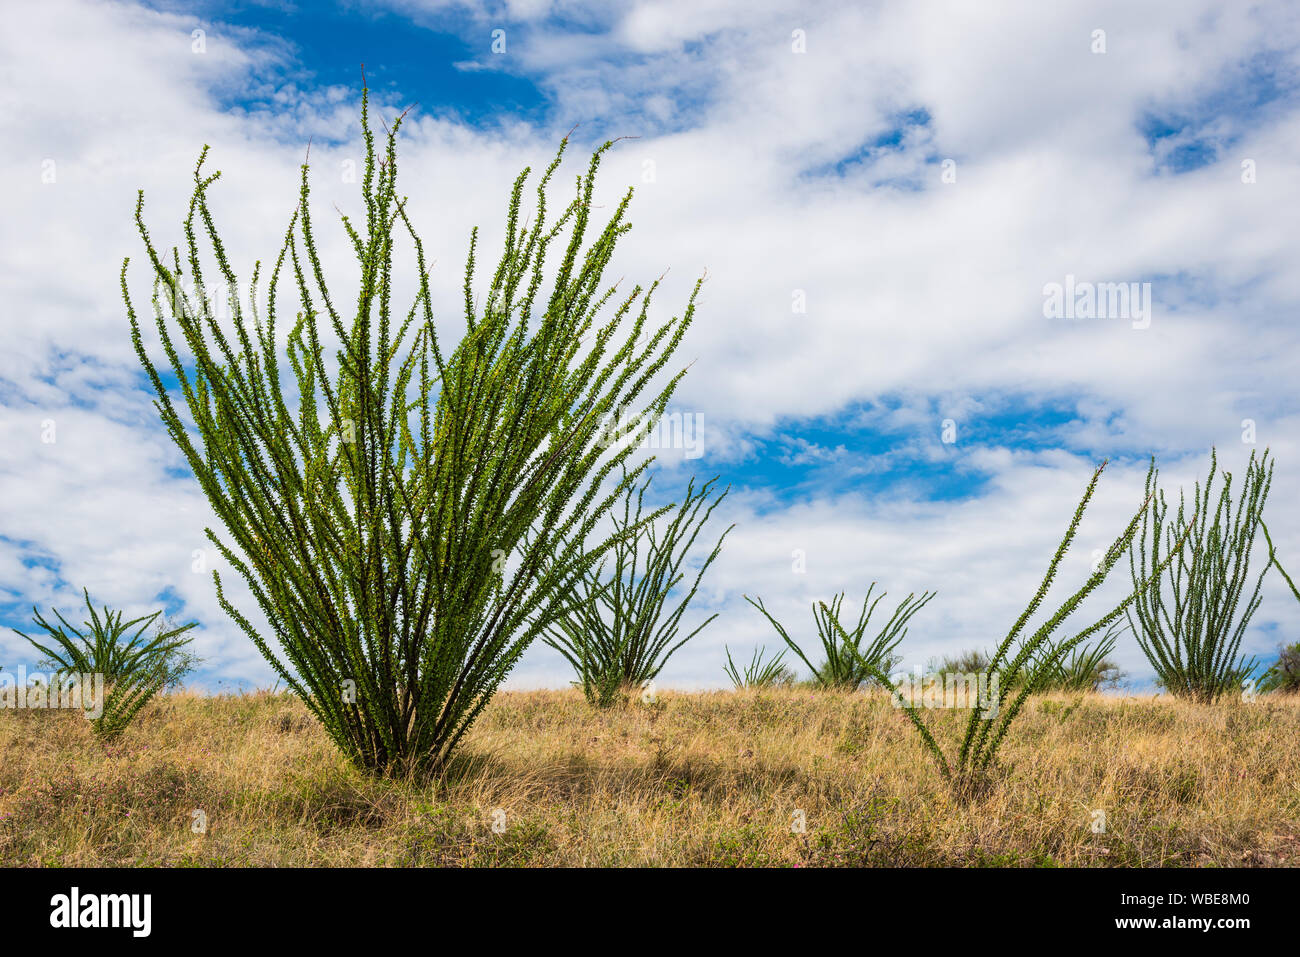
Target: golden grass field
[(711, 779)]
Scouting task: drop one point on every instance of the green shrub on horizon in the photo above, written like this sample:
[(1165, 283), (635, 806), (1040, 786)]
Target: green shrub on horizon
[(848, 664), (134, 667), (1086, 667), (758, 673)]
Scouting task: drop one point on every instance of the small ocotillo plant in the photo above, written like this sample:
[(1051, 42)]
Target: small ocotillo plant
[(758, 673), (620, 631), (849, 663), (1190, 620), (1086, 668), (135, 667), (379, 503), (1022, 671)]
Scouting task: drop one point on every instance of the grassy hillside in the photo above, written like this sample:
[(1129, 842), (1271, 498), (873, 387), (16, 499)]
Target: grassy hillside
[(694, 779)]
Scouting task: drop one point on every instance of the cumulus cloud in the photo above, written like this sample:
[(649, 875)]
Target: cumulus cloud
[(856, 278)]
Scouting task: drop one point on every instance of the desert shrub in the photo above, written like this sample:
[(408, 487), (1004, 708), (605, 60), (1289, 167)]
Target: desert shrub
[(965, 662), (758, 673), (1284, 675), (1086, 667), (135, 667), (1032, 662), (849, 663), (619, 630), (1190, 618), (406, 514)]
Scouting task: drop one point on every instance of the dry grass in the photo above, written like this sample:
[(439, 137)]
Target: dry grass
[(694, 779)]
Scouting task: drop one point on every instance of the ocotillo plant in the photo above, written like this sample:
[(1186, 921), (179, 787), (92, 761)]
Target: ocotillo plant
[(619, 631), (379, 505), (1086, 668), (134, 667), (848, 662), (1022, 671), (758, 673), (1190, 620), (1272, 560)]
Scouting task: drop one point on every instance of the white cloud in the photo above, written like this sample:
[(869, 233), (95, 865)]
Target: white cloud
[(911, 293)]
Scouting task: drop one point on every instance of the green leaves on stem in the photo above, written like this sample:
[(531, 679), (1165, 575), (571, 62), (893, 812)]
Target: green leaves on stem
[(1034, 661), (406, 514), (619, 632), (849, 663), (134, 667), (1188, 616)]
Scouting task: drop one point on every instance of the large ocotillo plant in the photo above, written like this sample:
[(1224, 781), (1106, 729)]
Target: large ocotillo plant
[(620, 631), (1190, 620), (1022, 670), (849, 663), (379, 505)]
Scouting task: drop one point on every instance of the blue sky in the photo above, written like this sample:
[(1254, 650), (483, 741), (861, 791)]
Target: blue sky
[(879, 195), (327, 44)]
